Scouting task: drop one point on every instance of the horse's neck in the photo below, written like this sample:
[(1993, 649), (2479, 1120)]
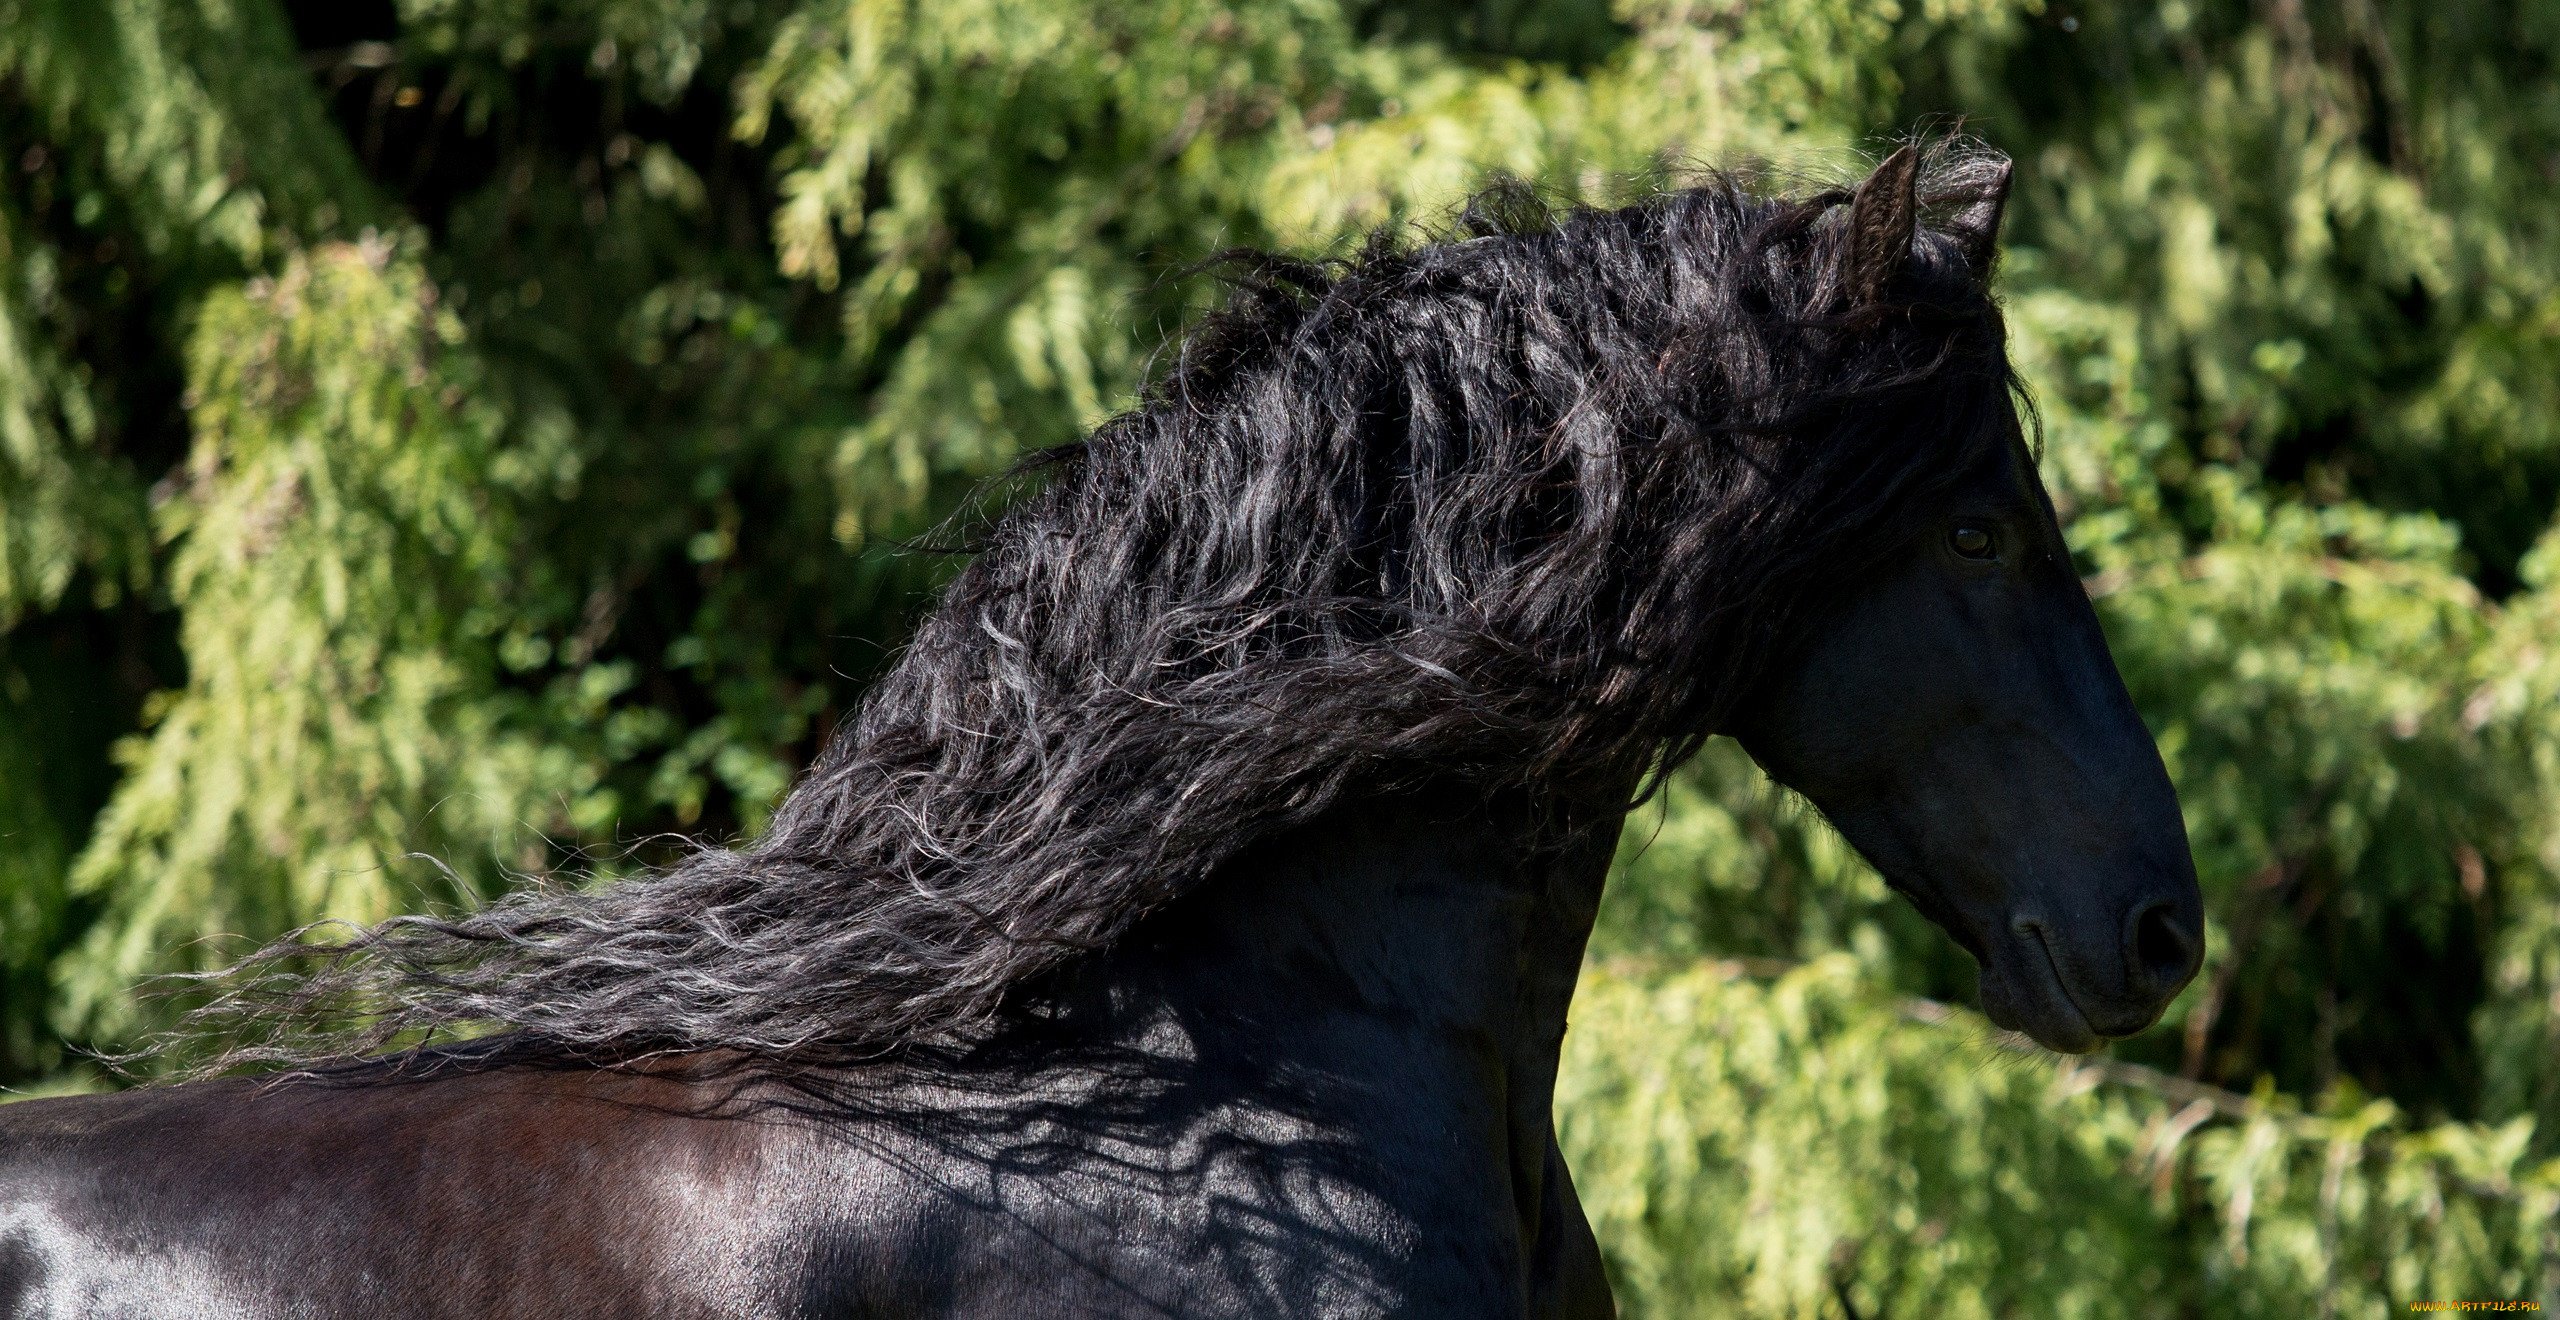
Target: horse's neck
[(1437, 906), (1439, 918)]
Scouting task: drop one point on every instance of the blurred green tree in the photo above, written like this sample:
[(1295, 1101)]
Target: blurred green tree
[(445, 441)]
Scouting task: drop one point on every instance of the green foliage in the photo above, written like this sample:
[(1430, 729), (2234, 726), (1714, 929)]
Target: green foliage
[(341, 531), (1788, 1145), (460, 443)]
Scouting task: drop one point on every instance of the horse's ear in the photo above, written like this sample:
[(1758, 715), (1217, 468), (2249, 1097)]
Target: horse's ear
[(1882, 217), (1977, 226)]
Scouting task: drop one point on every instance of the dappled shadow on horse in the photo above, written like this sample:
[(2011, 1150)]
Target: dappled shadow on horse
[(1186, 925)]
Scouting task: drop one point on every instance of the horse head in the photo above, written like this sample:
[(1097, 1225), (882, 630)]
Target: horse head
[(1952, 709)]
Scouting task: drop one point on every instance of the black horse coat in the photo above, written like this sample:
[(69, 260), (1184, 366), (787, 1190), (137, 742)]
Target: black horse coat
[(1321, 1088)]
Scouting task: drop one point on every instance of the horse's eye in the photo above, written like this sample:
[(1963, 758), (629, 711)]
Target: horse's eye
[(1971, 542)]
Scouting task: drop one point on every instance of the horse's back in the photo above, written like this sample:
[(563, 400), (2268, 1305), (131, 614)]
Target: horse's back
[(1242, 1113), (546, 1194), (566, 1194), (1247, 1116), (562, 1194)]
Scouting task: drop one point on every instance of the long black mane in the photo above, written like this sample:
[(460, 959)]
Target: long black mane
[(1529, 506)]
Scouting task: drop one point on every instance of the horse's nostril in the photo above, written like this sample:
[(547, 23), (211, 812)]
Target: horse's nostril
[(2164, 951)]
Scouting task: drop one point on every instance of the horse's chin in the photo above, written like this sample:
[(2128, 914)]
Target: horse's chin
[(2022, 991)]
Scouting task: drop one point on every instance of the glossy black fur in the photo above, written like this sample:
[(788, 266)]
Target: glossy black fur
[(1187, 927), (1321, 1090)]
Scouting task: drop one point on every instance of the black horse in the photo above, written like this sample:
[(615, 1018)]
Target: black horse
[(1186, 925)]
